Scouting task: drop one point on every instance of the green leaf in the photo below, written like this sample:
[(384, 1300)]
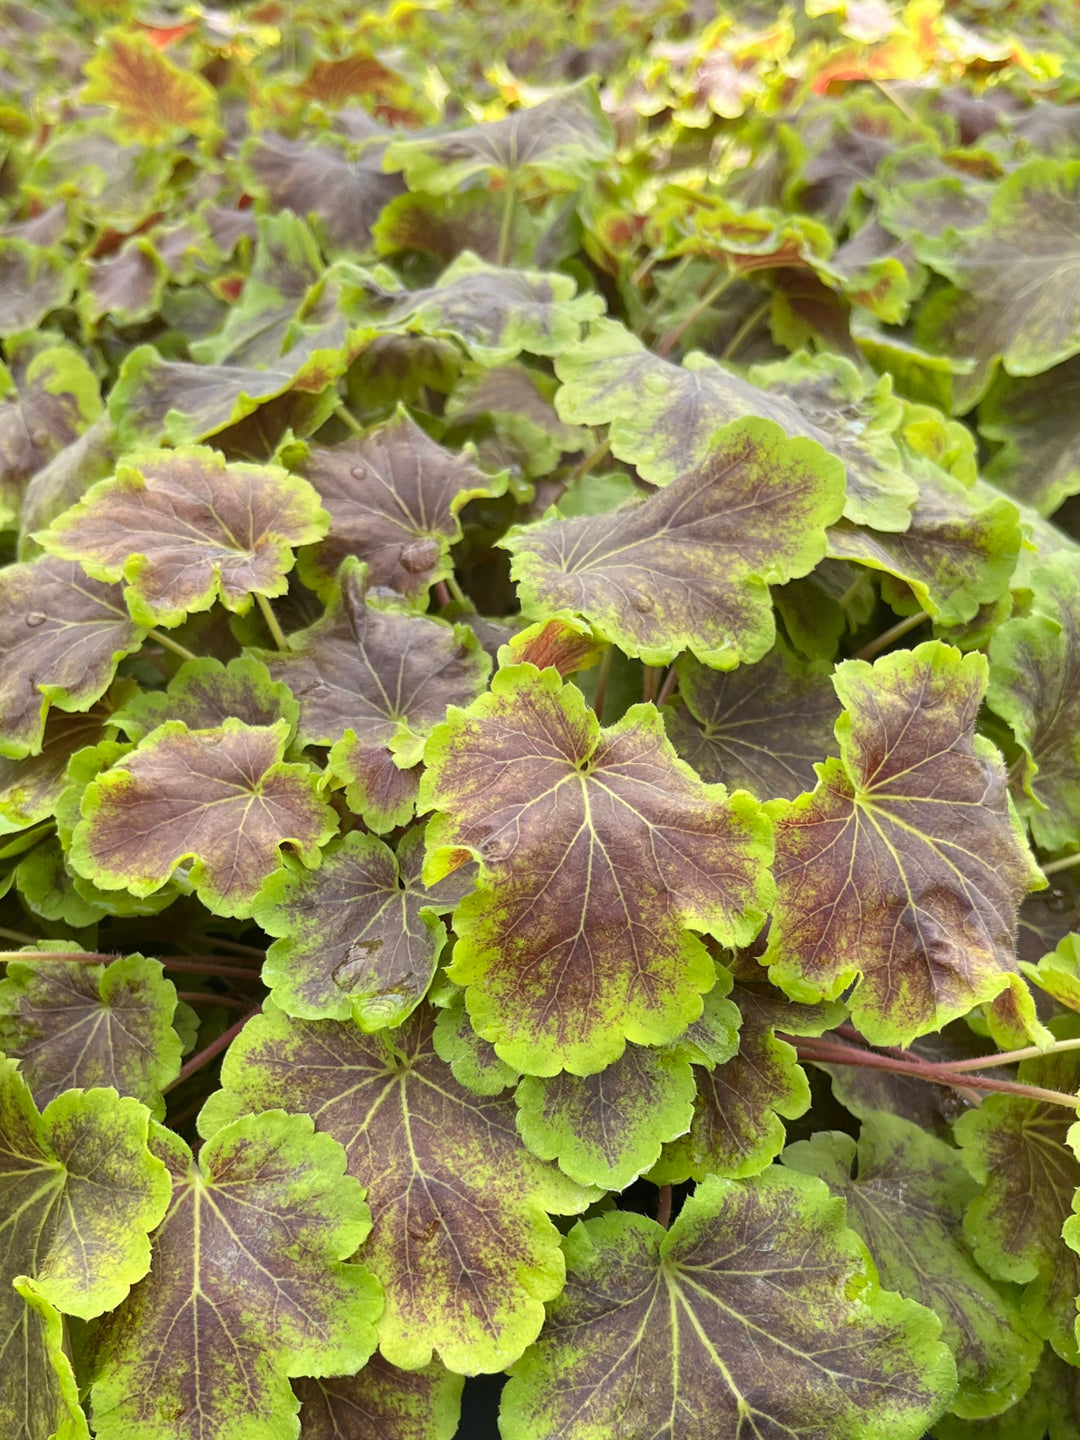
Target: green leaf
[(150, 98), (497, 313), (206, 693), (341, 197), (222, 797), (30, 787), (757, 1310), (1017, 1150), (736, 1128), (182, 529), (610, 846), (57, 1402), (1049, 1407), (760, 727), (384, 1401), (155, 400), (33, 281), (1035, 687), (49, 890), (61, 638), (906, 1200), (607, 1128), (472, 1060), (394, 497), (77, 1026), (956, 554), (461, 1241), (1034, 422), (1058, 973), (562, 141), (904, 866), (80, 1192), (54, 396), (360, 936), (689, 568), (285, 267), (1016, 273), (662, 417), (126, 288), (373, 683), (247, 1287)]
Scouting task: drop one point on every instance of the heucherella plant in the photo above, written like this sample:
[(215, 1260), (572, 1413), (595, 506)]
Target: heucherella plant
[(540, 721)]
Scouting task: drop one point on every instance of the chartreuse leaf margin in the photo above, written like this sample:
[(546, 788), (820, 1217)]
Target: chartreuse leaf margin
[(539, 721)]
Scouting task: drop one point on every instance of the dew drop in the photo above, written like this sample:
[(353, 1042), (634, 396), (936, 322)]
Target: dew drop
[(420, 556), (497, 848), (355, 968), (34, 618), (656, 384), (641, 602)]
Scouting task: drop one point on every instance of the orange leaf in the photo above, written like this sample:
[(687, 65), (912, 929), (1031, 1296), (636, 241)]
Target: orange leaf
[(151, 96)]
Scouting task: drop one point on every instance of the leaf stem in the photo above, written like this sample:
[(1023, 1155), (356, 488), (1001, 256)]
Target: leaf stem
[(200, 965), (667, 688), (746, 328), (894, 632), (506, 229), (234, 947), (205, 997), (672, 338), (1065, 863), (347, 419), (1010, 1057), (276, 632), (167, 643), (825, 1052), (21, 938), (671, 278), (457, 592), (442, 593), (592, 459), (648, 685), (602, 684), (209, 1052), (663, 1207)]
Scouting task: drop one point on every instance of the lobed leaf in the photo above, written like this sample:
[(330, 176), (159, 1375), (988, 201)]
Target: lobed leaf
[(904, 866)]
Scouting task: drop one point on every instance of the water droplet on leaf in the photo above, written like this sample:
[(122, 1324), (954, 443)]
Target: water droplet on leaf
[(34, 618), (419, 556), (641, 602)]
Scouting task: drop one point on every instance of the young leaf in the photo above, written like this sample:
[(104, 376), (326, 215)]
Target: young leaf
[(1017, 1149), (663, 416), (206, 693), (382, 1401), (907, 1201), (150, 97), (473, 1062), (247, 1287), (904, 865), (461, 1241), (757, 1310), (1035, 686), (182, 529), (358, 937), (1058, 973), (393, 497), (597, 849), (760, 727), (222, 797), (689, 568), (61, 638), (77, 1026), (80, 1192)]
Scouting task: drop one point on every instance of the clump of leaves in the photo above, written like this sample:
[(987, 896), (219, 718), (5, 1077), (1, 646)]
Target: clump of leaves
[(539, 738)]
